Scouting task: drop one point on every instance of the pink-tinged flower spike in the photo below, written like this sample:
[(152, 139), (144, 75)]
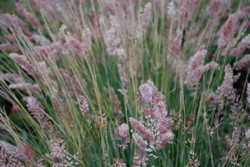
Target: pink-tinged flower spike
[(122, 133), (10, 156), (7, 20), (145, 18), (112, 36), (37, 110), (40, 40), (74, 44), (244, 44), (60, 155), (242, 63), (20, 8), (141, 129), (84, 106), (25, 86), (248, 93), (28, 154), (174, 57), (175, 47), (153, 131), (147, 91), (226, 33), (226, 89), (164, 139), (121, 54), (198, 58), (139, 141), (196, 67), (57, 148), (10, 77), (118, 163), (23, 62), (11, 150)]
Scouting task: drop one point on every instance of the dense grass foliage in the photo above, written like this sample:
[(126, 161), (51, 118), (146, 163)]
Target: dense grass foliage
[(125, 83)]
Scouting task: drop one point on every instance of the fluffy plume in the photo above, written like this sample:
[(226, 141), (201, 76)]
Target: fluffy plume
[(147, 91), (37, 110), (226, 88), (83, 104), (112, 36), (145, 18), (242, 63), (196, 67), (25, 86), (60, 155), (242, 45), (122, 133), (23, 62), (153, 132), (20, 8), (226, 33)]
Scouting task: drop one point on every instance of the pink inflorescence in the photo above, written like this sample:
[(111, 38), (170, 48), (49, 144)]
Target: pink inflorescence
[(122, 133), (196, 67), (243, 62), (37, 110), (226, 33), (57, 148), (146, 17), (84, 106), (153, 132), (147, 91), (23, 62), (241, 47), (224, 91), (25, 86)]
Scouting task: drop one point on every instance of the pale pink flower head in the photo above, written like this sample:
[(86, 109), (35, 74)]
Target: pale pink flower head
[(226, 89), (83, 103), (139, 141), (226, 33), (25, 86), (146, 16), (165, 138), (198, 58), (23, 62), (57, 147), (118, 163), (28, 152), (147, 91), (243, 62), (122, 131), (141, 129), (175, 46), (242, 45), (121, 54)]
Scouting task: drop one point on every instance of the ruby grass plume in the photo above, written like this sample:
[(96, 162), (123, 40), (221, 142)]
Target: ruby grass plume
[(124, 83)]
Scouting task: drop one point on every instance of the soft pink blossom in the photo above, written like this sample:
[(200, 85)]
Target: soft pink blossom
[(83, 103), (24, 63)]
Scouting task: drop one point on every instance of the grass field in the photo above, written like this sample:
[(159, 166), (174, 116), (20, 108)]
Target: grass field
[(125, 83)]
